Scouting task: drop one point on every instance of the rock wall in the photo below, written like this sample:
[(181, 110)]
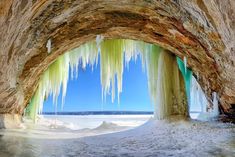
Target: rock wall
[(201, 30), (11, 121)]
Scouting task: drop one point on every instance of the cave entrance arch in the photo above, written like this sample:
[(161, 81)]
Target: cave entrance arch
[(170, 24)]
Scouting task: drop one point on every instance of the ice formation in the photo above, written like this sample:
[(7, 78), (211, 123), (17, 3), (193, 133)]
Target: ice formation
[(215, 109), (197, 95), (187, 75), (166, 84), (50, 83), (111, 56), (48, 46), (211, 112), (185, 64), (170, 95)]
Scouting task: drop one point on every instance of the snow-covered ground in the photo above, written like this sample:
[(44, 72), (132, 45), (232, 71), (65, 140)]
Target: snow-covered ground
[(174, 137)]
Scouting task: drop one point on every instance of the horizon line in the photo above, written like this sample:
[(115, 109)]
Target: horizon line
[(97, 112)]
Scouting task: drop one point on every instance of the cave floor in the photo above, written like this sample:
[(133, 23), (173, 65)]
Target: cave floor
[(154, 138)]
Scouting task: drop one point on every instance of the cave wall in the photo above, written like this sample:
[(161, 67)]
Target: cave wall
[(201, 30)]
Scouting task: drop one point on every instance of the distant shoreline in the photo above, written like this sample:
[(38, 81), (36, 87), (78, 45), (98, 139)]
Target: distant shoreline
[(101, 113)]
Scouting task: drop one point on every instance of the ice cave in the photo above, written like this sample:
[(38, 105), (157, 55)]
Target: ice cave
[(186, 49)]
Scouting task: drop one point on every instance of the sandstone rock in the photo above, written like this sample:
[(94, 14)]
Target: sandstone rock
[(10, 121)]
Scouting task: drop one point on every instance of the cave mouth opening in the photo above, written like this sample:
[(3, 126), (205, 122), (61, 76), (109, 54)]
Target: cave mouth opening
[(84, 108), (169, 79)]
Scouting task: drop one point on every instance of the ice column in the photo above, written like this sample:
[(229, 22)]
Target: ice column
[(170, 94), (215, 103)]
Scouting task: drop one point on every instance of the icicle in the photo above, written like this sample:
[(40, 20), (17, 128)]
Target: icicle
[(197, 96), (187, 75), (111, 65), (48, 46), (185, 64), (215, 103), (152, 59), (99, 39)]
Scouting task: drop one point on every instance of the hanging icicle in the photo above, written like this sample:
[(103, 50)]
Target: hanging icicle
[(185, 65), (215, 102), (99, 39), (197, 97), (48, 46)]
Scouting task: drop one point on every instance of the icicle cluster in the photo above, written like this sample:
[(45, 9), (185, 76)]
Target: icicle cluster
[(164, 81), (50, 83), (112, 54)]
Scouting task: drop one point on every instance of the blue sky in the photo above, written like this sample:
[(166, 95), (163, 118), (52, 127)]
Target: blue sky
[(84, 93)]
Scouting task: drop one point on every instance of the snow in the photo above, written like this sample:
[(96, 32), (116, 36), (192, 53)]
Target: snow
[(173, 137), (165, 138)]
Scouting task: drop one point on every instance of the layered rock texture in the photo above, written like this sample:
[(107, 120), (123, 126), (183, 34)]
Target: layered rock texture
[(201, 30)]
